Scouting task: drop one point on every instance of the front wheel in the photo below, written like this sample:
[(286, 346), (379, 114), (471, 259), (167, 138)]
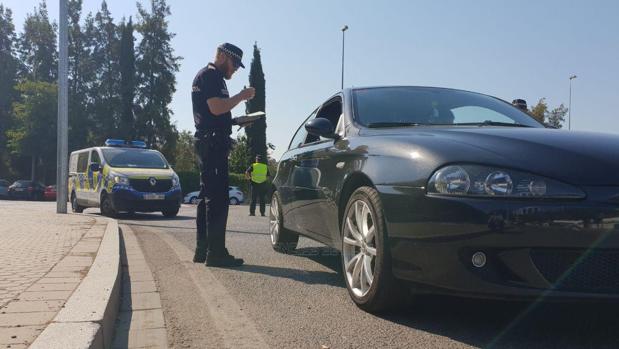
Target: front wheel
[(170, 213), (366, 261), (106, 206), (194, 200), (234, 201), (282, 239)]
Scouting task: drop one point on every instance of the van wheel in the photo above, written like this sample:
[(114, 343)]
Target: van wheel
[(170, 213), (106, 206), (75, 206)]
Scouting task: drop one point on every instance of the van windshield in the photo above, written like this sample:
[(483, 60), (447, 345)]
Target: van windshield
[(134, 158)]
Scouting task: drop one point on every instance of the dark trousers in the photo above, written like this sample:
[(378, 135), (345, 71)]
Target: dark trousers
[(258, 191), (212, 215)]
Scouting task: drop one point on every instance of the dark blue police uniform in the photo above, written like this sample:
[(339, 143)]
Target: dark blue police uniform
[(212, 144)]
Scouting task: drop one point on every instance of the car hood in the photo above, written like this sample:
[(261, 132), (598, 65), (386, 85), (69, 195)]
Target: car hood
[(583, 158)]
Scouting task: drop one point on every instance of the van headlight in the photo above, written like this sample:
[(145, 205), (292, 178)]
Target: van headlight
[(485, 181), (121, 180), (176, 182)]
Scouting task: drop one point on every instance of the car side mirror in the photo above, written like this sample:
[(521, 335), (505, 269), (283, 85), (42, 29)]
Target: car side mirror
[(321, 127), (95, 167)]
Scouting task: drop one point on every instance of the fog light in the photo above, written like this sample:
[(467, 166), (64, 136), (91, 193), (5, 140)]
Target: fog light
[(479, 259)]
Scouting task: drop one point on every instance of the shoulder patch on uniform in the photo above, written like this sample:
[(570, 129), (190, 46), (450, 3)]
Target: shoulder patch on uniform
[(195, 88)]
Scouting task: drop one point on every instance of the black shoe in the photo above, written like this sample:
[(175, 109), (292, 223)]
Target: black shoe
[(262, 214), (252, 214), (226, 260), (199, 258)]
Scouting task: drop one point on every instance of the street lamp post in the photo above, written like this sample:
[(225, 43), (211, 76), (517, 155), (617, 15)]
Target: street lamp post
[(344, 29), (62, 147), (569, 110)]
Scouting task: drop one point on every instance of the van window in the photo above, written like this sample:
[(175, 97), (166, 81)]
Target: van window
[(82, 162), (73, 163), (94, 158)]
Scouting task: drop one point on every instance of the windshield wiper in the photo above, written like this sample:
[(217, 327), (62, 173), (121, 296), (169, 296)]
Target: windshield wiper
[(392, 124), (491, 123)]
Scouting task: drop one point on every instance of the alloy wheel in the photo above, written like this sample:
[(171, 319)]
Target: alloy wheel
[(359, 248), (274, 221)]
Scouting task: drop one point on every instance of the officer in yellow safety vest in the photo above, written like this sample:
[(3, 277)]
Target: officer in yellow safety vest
[(258, 172)]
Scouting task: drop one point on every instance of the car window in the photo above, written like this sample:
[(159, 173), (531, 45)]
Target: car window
[(432, 106), (94, 157), (82, 162), (301, 134), (331, 111)]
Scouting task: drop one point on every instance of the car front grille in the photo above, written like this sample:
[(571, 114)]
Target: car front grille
[(143, 185), (592, 271)]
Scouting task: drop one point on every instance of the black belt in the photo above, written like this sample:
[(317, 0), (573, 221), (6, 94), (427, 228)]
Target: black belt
[(218, 132)]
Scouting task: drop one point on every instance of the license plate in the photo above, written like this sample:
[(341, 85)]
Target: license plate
[(154, 196)]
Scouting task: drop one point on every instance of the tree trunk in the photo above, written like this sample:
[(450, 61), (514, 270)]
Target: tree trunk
[(34, 168)]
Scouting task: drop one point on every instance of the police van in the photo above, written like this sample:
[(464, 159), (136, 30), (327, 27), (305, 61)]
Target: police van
[(123, 176)]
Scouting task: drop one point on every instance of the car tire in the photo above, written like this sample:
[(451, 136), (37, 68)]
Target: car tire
[(106, 206), (75, 206), (282, 239), (194, 200), (234, 201), (170, 213), (366, 259)]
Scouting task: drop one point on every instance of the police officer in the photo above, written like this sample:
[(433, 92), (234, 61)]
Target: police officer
[(211, 112), (258, 172)]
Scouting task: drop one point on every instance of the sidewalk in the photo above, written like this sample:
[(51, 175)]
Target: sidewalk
[(44, 257)]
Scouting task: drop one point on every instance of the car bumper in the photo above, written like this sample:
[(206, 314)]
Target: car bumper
[(567, 250), (127, 199)]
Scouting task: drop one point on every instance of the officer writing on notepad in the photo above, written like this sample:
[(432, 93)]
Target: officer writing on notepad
[(211, 112)]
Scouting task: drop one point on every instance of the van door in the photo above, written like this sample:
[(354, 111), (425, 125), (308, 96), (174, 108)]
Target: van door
[(94, 178), (81, 181)]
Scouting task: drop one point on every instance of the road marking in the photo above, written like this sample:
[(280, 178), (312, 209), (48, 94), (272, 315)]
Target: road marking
[(236, 329)]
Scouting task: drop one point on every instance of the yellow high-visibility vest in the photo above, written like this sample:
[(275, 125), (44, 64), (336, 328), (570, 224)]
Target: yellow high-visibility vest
[(259, 172)]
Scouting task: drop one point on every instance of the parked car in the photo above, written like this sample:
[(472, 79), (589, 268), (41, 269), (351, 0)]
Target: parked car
[(235, 194), (26, 190), (4, 188), (435, 190), (50, 193)]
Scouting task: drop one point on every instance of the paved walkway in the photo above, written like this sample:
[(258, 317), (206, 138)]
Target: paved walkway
[(43, 258)]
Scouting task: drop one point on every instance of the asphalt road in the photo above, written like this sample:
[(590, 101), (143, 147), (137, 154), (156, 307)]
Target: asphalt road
[(300, 301)]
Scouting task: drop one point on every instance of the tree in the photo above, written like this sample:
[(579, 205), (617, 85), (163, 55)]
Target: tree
[(34, 130), (556, 117), (37, 46), (256, 133), (185, 155), (240, 157), (540, 110), (127, 80), (8, 79), (106, 89), (156, 66)]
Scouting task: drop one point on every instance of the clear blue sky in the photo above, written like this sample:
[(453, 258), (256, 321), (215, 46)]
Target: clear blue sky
[(508, 49)]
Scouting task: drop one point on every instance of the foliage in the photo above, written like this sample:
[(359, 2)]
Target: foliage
[(156, 65), (35, 123), (540, 110), (256, 133), (9, 66), (185, 153), (37, 46), (240, 157), (556, 117)]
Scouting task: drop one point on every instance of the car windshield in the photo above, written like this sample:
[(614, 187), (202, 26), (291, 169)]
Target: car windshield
[(418, 106), (136, 158)]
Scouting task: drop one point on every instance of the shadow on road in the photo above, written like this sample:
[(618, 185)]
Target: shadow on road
[(304, 276), (495, 324)]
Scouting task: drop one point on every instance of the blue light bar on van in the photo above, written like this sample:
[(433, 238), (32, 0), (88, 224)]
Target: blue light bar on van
[(123, 143)]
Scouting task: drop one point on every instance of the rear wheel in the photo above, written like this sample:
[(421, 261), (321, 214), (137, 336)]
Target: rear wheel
[(106, 206), (75, 206), (366, 261), (193, 200), (282, 239), (170, 213), (234, 201)]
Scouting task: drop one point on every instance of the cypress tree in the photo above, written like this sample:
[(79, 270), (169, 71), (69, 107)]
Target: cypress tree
[(127, 80), (8, 80), (256, 133)]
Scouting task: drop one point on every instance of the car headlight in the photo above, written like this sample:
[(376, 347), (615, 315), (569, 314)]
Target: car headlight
[(176, 182), (121, 180), (485, 181)]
